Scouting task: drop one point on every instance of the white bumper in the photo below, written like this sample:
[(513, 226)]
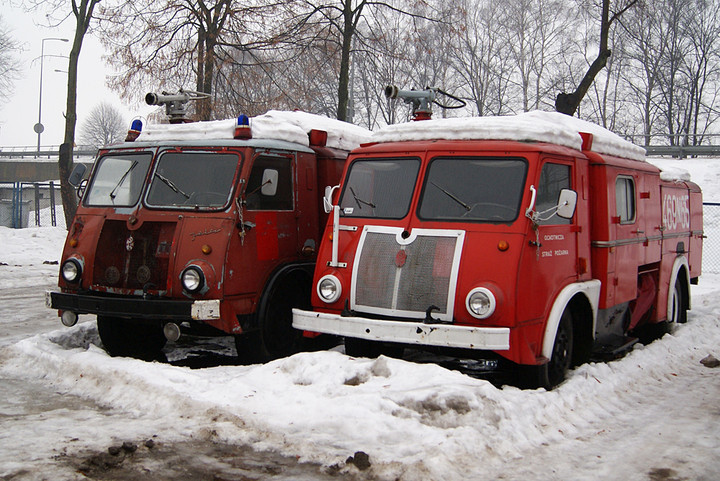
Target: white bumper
[(445, 335)]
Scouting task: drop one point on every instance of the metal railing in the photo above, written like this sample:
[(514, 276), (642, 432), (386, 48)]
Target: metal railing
[(30, 204), (45, 152), (711, 243)]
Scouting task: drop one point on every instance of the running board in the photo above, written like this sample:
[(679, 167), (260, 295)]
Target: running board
[(612, 347)]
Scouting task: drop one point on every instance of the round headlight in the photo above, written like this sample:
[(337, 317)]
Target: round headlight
[(329, 289), (71, 270), (192, 279), (480, 303)]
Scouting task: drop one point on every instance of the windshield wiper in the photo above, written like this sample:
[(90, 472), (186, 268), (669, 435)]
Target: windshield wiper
[(453, 197), (122, 179), (170, 184), (359, 201)]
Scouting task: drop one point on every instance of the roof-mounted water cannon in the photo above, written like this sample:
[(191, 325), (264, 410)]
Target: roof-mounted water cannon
[(421, 100), (175, 104)]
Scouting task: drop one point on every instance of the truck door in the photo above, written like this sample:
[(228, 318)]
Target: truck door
[(549, 259), (270, 206), (628, 238)]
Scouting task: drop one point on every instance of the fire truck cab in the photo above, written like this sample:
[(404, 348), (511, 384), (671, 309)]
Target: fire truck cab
[(539, 237), (211, 224)]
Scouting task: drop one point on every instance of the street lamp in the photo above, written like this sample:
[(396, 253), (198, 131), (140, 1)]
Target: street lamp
[(39, 127)]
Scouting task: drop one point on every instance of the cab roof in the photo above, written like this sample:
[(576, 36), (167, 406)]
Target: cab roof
[(536, 126), (274, 125)]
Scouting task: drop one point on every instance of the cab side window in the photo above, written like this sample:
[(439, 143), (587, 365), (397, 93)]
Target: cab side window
[(270, 186), (625, 199), (553, 178)]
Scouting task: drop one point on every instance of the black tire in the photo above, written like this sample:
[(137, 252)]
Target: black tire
[(678, 302), (127, 338), (678, 313), (355, 347), (275, 336), (553, 372)]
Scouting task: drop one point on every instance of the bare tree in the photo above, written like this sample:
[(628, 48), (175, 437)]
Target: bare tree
[(481, 59), (82, 11), (645, 50), (701, 69), (104, 125), (344, 18), (9, 65), (171, 44), (568, 103), (534, 31)]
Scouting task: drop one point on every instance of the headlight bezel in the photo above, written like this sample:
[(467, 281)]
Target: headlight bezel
[(71, 270), (486, 297), (196, 284), (332, 282)]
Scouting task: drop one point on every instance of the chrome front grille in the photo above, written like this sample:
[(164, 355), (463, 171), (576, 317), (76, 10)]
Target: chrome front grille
[(405, 277)]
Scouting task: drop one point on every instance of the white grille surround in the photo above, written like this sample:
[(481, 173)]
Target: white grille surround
[(404, 274)]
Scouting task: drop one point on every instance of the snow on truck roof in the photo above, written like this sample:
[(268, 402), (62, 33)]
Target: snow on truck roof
[(274, 125), (535, 126)]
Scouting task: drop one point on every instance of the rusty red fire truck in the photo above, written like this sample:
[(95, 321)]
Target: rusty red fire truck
[(202, 224), (537, 238)]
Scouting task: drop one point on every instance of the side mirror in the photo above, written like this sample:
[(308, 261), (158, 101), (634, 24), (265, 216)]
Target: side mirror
[(269, 182), (77, 175), (566, 203), (327, 198)]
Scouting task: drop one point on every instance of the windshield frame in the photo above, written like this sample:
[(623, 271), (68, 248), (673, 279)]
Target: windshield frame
[(355, 199), (136, 158), (181, 190), (463, 202)]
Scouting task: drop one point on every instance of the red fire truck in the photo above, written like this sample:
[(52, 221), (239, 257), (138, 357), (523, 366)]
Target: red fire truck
[(537, 238), (202, 224)]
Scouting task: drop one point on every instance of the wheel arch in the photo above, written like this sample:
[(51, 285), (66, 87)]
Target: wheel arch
[(302, 269), (582, 298), (680, 271)]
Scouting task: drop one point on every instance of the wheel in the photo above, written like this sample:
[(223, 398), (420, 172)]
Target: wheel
[(553, 372), (355, 347), (678, 304), (275, 336), (128, 338), (678, 314)]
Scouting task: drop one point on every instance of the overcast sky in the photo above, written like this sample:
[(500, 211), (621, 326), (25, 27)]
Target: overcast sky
[(20, 114)]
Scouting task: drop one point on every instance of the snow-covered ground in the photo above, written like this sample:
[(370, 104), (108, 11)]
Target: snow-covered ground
[(655, 414)]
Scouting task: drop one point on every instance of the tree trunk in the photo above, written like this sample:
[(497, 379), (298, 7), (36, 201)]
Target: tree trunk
[(205, 109), (347, 33), (568, 103)]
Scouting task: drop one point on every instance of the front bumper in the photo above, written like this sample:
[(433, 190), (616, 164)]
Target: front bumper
[(444, 335), (134, 307)]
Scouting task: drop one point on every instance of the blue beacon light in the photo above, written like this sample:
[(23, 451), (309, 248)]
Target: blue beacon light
[(242, 130), (135, 129)]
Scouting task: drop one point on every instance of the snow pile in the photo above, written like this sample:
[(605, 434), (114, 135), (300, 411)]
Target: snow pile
[(31, 246), (674, 170), (415, 421), (275, 124), (535, 126)]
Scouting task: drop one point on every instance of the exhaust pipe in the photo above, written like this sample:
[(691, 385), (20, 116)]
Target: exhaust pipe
[(171, 331)]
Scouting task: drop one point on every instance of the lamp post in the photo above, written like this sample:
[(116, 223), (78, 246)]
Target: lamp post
[(39, 127)]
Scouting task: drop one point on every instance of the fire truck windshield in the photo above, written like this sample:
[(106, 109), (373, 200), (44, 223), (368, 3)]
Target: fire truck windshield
[(473, 189), (379, 188), (118, 180), (192, 180)]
